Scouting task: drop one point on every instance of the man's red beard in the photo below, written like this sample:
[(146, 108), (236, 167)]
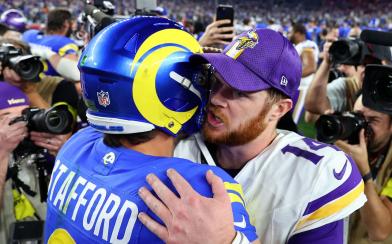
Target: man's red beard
[(246, 132)]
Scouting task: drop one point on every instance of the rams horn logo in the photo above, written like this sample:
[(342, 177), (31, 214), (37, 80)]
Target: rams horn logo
[(151, 54), (248, 41)]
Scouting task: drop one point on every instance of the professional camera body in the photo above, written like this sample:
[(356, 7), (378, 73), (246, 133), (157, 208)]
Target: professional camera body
[(28, 67), (101, 13), (55, 120), (345, 126)]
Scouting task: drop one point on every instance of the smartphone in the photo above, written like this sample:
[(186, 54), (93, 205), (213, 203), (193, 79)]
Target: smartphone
[(225, 12)]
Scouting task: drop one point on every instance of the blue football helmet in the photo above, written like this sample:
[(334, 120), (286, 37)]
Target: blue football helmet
[(136, 76)]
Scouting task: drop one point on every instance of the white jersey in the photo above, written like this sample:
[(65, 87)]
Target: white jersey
[(294, 185), (310, 46), (305, 46)]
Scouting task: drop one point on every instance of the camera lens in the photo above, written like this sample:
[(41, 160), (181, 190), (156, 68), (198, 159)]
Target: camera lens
[(344, 126), (346, 51), (328, 128), (57, 121), (28, 67)]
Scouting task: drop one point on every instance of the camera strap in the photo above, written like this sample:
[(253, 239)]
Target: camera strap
[(377, 162), (18, 182)]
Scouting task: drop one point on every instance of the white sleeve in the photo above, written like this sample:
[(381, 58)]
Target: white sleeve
[(338, 192)]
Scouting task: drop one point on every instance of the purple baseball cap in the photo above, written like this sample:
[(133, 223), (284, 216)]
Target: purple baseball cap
[(11, 96), (257, 60)]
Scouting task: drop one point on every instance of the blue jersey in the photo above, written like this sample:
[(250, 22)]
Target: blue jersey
[(59, 44), (93, 196)]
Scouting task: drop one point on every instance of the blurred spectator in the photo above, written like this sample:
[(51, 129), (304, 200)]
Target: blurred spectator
[(355, 30), (12, 102), (7, 32), (373, 156), (56, 40), (274, 26), (246, 25), (308, 52)]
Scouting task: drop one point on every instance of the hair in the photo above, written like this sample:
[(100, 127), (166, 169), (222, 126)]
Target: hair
[(114, 140), (299, 28), (3, 29), (275, 95), (57, 18), (23, 46)]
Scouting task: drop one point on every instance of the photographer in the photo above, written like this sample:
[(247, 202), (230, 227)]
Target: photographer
[(16, 204), (43, 94), (373, 156), (340, 94)]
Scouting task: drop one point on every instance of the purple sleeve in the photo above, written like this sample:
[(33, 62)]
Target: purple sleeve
[(326, 234)]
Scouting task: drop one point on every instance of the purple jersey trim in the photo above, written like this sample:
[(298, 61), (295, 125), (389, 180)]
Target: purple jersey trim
[(326, 234), (353, 180)]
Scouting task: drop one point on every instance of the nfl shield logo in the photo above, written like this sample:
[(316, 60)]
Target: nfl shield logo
[(103, 98)]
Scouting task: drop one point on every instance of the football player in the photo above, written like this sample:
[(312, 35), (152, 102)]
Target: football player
[(297, 190)]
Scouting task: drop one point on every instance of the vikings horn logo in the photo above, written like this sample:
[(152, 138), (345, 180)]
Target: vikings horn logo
[(248, 41)]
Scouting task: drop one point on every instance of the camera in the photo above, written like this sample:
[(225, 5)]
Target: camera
[(345, 126), (377, 84), (348, 51), (28, 67), (56, 120), (100, 14), (377, 88)]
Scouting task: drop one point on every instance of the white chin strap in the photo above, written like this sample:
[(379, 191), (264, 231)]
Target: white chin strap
[(118, 126)]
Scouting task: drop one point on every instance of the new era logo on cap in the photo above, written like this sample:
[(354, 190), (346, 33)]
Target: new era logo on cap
[(283, 81)]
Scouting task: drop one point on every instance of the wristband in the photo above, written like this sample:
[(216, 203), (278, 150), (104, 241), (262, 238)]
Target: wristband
[(368, 176), (240, 238)]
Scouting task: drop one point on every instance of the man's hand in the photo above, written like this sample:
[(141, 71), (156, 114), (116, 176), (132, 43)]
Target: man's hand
[(190, 218), (49, 141), (11, 135), (357, 152), (215, 35)]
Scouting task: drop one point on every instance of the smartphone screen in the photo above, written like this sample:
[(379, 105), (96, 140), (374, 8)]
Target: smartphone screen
[(225, 12)]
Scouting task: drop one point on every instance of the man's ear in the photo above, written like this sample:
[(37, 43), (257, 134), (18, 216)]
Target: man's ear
[(280, 108)]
